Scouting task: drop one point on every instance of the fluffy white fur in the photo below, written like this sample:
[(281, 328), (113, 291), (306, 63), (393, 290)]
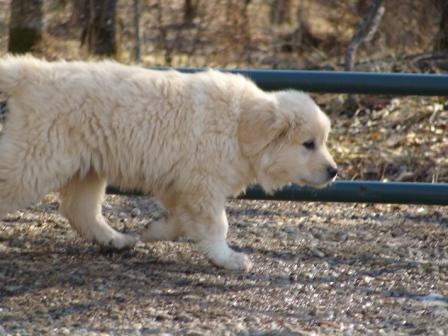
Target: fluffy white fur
[(191, 140)]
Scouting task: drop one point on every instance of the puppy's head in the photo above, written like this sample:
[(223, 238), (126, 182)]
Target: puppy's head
[(284, 136)]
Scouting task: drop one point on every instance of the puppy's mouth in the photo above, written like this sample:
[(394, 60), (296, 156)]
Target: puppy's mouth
[(318, 185)]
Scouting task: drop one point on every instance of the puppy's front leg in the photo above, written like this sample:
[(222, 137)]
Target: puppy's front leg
[(206, 227), (210, 232)]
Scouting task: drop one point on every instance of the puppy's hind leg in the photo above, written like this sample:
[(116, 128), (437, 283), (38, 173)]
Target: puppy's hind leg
[(81, 204), (24, 179)]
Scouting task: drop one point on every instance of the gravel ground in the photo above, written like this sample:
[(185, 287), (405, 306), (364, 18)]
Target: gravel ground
[(320, 269)]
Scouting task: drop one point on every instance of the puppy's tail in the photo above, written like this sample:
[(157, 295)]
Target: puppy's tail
[(10, 73)]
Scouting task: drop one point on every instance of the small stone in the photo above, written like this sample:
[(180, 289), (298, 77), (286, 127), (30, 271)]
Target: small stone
[(252, 319), (368, 279), (194, 333), (92, 333), (62, 331), (324, 286), (152, 331), (318, 253), (137, 326), (80, 331), (317, 235), (421, 211), (183, 317), (162, 317), (290, 230), (136, 212)]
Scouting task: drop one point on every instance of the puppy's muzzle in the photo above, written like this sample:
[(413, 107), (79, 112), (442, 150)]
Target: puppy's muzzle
[(331, 172)]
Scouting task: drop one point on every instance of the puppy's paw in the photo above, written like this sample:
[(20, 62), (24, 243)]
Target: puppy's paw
[(235, 261), (159, 230), (120, 241)]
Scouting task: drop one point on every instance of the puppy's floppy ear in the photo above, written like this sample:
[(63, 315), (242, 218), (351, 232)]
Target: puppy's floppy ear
[(259, 125)]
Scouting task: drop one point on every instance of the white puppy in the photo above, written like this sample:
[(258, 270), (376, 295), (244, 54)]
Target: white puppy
[(191, 140)]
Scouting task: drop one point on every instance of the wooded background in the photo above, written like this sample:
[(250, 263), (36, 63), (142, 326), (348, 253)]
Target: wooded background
[(257, 33), (374, 137)]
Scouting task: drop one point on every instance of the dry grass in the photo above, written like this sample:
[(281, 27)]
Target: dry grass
[(400, 139)]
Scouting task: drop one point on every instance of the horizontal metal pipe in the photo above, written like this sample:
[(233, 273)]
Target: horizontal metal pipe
[(361, 192), (353, 191), (344, 82)]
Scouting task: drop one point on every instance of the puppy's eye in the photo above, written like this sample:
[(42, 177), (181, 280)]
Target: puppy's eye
[(309, 144)]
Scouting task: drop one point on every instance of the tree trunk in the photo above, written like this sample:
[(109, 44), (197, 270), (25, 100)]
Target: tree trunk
[(190, 11), (98, 34), (137, 46), (78, 14), (441, 40), (280, 12), (367, 27), (25, 27)]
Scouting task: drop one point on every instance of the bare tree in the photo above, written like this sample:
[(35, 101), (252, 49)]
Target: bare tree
[(441, 40), (136, 7), (302, 37), (280, 11), (98, 33), (78, 14), (163, 34), (190, 11), (25, 27), (365, 31)]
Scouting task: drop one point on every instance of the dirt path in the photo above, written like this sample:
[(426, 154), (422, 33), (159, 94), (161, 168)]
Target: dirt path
[(319, 269)]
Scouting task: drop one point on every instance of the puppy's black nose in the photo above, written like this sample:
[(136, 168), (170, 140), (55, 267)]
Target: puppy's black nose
[(332, 171)]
